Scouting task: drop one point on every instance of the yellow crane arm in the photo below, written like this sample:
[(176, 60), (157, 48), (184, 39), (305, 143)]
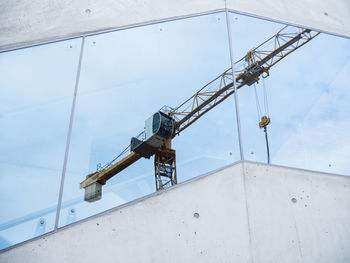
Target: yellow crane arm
[(248, 70), (103, 175)]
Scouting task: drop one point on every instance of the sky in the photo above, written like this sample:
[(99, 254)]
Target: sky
[(307, 97), (127, 76)]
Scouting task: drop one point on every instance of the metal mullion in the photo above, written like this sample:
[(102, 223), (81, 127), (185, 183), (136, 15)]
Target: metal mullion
[(234, 87), (59, 203)]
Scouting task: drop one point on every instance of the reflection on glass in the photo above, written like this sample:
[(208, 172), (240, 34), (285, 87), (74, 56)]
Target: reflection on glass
[(126, 77), (306, 97), (36, 92)]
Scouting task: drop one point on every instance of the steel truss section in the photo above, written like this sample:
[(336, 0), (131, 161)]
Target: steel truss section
[(255, 64), (165, 168)]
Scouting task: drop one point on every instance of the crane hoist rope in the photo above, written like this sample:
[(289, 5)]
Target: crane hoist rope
[(266, 120), (263, 120), (168, 122), (257, 102), (266, 102)]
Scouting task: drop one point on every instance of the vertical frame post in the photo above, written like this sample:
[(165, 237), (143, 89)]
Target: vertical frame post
[(234, 85), (69, 135)]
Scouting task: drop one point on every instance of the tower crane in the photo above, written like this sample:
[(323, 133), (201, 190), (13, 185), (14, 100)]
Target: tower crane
[(163, 126)]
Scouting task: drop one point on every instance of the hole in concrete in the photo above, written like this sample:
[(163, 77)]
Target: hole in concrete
[(88, 11), (196, 215), (294, 200), (325, 13)]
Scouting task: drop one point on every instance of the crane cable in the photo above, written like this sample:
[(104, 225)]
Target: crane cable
[(258, 109), (100, 167), (263, 120), (266, 103)]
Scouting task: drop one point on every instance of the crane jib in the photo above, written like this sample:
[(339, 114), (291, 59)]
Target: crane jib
[(202, 105), (248, 76), (284, 46)]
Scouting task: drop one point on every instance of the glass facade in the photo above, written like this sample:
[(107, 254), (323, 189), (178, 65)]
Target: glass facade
[(37, 86), (306, 100), (128, 75)]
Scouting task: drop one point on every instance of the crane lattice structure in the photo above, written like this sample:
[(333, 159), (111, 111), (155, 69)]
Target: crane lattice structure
[(172, 121)]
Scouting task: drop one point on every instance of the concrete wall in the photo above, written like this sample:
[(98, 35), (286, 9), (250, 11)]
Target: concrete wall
[(246, 212), (29, 22)]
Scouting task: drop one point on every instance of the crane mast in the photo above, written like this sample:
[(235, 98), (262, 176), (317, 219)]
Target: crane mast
[(164, 125)]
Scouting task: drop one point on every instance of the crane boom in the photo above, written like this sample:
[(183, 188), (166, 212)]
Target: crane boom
[(257, 62)]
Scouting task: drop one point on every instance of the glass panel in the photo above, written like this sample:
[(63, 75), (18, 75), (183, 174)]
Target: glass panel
[(126, 77), (37, 86), (307, 98)]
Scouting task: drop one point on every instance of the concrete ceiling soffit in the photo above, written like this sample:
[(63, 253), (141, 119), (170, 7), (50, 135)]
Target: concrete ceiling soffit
[(326, 15), (25, 22), (29, 22)]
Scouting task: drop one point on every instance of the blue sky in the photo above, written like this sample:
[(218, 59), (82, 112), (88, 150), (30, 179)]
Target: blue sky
[(308, 98)]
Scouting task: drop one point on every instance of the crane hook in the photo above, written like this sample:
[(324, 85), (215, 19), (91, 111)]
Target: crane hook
[(263, 124)]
